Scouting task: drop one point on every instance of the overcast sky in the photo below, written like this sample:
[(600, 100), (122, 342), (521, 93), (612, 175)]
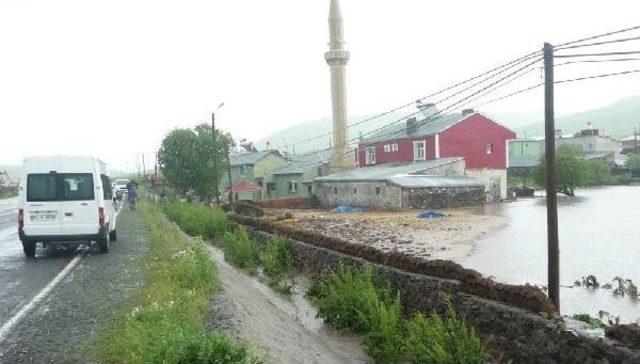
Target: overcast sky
[(110, 78)]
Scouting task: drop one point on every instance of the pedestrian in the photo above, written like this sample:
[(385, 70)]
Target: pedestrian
[(132, 196)]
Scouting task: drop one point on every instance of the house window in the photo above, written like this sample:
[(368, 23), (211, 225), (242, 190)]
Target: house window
[(419, 150), (377, 191), (370, 155), (335, 191), (243, 170), (355, 191), (394, 147), (489, 148), (293, 186), (387, 148)]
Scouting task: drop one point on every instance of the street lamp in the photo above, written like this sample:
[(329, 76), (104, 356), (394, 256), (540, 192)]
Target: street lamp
[(216, 191)]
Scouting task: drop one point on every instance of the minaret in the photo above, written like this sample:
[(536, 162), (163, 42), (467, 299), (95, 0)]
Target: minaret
[(337, 58)]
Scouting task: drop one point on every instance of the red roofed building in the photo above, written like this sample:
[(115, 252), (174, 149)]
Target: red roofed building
[(481, 141)]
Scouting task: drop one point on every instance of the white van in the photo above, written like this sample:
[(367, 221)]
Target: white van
[(63, 199)]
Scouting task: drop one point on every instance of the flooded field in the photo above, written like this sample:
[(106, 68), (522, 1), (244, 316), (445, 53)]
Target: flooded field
[(599, 235)]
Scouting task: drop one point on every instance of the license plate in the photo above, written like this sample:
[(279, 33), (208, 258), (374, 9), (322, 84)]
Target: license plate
[(43, 217)]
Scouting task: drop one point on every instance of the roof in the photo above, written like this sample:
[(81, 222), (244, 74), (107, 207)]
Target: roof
[(435, 126), (249, 158), (419, 181), (301, 163), (385, 171), (244, 186)]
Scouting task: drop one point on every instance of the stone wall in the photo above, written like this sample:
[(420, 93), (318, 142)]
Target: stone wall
[(372, 194), (442, 197), (489, 177), (514, 334)]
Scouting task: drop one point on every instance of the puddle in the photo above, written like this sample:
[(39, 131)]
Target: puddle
[(285, 329)]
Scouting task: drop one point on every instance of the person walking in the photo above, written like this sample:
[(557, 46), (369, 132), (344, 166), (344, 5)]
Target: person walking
[(132, 196)]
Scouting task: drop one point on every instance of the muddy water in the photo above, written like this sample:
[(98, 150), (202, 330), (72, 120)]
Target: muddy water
[(599, 235), (285, 329)]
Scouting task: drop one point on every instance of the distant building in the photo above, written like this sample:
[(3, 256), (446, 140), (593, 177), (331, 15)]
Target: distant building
[(251, 173), (631, 144), (296, 178), (482, 142), (525, 154), (423, 184)]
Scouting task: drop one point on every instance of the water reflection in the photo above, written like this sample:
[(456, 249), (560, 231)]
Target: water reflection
[(599, 234)]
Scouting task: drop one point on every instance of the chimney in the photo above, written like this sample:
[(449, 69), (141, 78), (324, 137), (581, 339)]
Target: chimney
[(466, 112), (412, 125), (428, 109)]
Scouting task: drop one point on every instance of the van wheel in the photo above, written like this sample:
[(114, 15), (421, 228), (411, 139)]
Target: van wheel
[(103, 243), (113, 236), (29, 249)]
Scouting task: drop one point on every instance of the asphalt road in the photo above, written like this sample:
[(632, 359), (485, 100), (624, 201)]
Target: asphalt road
[(62, 326)]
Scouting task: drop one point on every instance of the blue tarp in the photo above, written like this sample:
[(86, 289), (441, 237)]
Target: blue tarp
[(346, 209), (430, 214)]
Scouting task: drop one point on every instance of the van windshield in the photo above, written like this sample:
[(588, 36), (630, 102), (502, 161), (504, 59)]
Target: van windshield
[(60, 187)]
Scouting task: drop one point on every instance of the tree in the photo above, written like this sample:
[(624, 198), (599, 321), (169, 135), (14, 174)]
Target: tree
[(571, 171), (186, 159), (598, 172), (633, 163)]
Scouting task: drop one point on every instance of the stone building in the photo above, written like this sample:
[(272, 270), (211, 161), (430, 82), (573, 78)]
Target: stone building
[(251, 173), (296, 178), (426, 184)]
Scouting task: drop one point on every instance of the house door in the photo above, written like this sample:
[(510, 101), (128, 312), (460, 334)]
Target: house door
[(494, 189)]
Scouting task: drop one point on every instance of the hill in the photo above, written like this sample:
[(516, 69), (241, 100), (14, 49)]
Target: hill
[(617, 120)]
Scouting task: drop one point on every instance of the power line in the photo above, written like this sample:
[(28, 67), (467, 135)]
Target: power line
[(502, 68), (595, 54), (620, 40), (598, 36), (597, 61), (599, 76)]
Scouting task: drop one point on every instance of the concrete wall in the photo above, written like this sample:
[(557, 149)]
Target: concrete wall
[(373, 194), (518, 335), (440, 198), (490, 177)]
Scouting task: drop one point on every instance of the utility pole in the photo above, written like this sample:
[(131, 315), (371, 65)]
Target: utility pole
[(229, 175), (215, 159), (635, 136), (216, 191), (552, 197)]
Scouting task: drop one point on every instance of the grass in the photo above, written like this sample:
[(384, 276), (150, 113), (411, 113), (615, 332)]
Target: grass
[(349, 300), (167, 323), (279, 266), (593, 322), (198, 220), (8, 194), (239, 250)]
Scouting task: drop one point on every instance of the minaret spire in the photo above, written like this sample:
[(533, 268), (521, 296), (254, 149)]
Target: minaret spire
[(337, 58)]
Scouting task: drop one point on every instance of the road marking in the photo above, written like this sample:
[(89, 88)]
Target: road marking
[(4, 330)]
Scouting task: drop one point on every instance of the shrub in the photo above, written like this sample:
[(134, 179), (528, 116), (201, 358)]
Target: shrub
[(432, 340), (239, 250), (383, 337), (277, 258), (198, 220), (593, 322)]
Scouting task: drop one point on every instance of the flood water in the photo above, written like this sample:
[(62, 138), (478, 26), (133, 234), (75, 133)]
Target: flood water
[(599, 234)]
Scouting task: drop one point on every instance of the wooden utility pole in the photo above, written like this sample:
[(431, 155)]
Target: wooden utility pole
[(230, 182), (215, 158), (552, 197)]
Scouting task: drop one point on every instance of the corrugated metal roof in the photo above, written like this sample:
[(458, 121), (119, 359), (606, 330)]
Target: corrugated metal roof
[(301, 163), (384, 171), (248, 158), (421, 181), (425, 127)]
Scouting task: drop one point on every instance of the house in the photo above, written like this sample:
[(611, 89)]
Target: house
[(482, 142), (251, 173), (593, 144), (425, 184), (296, 178), (525, 154)]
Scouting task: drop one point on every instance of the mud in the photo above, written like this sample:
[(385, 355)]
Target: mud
[(628, 335), (527, 297), (284, 329)]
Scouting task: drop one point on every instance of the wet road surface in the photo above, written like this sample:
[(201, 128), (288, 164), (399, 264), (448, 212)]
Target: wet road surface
[(21, 278)]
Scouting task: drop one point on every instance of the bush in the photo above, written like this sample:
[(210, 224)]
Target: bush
[(349, 300), (239, 250), (198, 220), (432, 340), (277, 258)]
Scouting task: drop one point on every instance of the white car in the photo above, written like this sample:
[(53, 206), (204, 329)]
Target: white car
[(65, 199), (120, 186)]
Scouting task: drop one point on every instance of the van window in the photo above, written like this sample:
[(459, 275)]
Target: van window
[(60, 187), (106, 187)]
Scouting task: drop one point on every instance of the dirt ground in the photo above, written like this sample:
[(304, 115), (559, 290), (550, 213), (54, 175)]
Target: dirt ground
[(451, 237)]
